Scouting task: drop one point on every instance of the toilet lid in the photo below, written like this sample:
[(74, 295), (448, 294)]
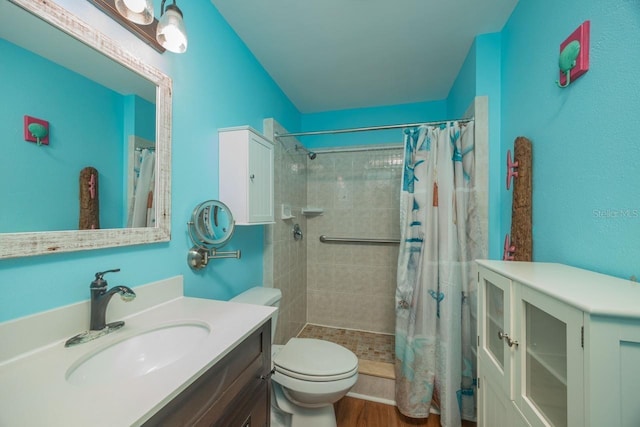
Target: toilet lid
[(312, 359)]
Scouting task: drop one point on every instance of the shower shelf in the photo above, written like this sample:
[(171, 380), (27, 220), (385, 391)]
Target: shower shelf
[(312, 211), (286, 212)]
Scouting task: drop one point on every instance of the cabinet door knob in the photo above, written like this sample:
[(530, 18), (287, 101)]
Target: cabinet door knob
[(252, 176), (510, 342)]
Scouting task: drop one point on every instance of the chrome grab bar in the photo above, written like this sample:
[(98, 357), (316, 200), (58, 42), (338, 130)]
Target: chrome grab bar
[(325, 239)]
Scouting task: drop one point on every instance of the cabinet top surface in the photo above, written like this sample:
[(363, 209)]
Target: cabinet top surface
[(223, 131), (234, 128), (46, 398), (589, 291)]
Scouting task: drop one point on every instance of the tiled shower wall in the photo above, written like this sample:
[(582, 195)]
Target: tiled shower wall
[(285, 260), (353, 285), (346, 286)]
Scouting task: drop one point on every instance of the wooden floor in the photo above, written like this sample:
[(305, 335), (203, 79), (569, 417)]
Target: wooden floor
[(352, 412)]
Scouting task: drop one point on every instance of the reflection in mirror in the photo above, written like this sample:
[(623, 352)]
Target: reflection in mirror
[(140, 182), (212, 224), (105, 108), (210, 228), (90, 115)]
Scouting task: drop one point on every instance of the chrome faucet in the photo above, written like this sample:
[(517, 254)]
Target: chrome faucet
[(100, 298)]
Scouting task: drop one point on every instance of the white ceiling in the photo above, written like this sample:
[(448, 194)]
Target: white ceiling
[(337, 54)]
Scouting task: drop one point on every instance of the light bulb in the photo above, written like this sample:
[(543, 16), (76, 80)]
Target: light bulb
[(171, 33), (138, 11), (136, 6), (174, 39)]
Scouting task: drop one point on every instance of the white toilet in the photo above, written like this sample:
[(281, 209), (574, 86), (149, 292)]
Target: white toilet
[(310, 374)]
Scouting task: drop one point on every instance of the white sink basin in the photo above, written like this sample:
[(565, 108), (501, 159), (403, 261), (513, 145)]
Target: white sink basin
[(139, 354)]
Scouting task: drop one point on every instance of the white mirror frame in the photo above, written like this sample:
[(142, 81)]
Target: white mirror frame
[(27, 244)]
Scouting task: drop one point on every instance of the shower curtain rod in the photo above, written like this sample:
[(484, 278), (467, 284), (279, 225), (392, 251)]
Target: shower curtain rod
[(359, 148), (370, 128)]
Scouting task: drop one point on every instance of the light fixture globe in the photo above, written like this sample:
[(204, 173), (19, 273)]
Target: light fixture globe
[(171, 33), (138, 11)]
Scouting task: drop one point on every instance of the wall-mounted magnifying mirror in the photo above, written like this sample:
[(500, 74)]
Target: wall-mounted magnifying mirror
[(210, 228), (212, 223)]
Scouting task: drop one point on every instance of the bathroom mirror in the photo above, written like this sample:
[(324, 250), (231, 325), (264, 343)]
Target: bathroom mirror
[(45, 31), (211, 224), (210, 228)]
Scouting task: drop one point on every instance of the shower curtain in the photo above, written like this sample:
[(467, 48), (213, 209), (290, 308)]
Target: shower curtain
[(141, 208), (435, 294)]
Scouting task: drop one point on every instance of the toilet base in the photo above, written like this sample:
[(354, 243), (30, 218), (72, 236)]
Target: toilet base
[(287, 414), (317, 417)]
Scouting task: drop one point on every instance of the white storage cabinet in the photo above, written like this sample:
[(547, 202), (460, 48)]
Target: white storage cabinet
[(557, 346), (246, 175)]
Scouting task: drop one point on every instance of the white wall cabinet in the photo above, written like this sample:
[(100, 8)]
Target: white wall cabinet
[(246, 175), (558, 346)]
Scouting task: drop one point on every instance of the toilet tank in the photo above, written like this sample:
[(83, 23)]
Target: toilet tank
[(262, 296)]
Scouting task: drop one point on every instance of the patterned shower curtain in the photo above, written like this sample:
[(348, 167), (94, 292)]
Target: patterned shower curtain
[(436, 291)]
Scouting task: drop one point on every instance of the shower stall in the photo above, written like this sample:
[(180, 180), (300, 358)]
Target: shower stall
[(339, 281)]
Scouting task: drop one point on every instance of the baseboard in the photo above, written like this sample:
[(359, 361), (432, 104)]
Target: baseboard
[(372, 398), (432, 410)]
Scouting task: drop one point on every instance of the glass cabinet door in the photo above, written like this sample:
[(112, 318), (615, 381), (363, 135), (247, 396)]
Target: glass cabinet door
[(495, 322), (550, 360), (546, 364), (495, 325)]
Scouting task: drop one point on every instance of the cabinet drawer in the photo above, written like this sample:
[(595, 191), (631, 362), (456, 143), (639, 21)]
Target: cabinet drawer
[(212, 396)]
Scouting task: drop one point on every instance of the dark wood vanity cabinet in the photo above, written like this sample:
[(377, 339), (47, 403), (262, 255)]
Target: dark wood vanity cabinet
[(235, 392)]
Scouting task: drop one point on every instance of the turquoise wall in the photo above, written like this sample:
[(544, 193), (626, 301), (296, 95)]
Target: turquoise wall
[(364, 117), (488, 84), (40, 184), (586, 202), (216, 83), (139, 119), (480, 76), (144, 113), (463, 90), (586, 156)]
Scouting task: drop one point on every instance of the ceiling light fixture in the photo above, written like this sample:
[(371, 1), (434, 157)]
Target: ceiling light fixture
[(171, 33), (138, 11)]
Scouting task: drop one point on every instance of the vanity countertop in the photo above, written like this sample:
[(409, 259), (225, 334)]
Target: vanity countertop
[(34, 389)]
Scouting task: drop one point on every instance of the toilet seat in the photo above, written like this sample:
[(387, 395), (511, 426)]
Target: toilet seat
[(310, 359)]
